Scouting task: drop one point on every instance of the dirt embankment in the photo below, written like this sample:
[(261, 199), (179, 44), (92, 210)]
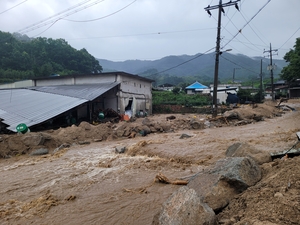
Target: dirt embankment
[(18, 144)]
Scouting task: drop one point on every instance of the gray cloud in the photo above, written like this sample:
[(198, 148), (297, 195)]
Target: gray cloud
[(152, 29)]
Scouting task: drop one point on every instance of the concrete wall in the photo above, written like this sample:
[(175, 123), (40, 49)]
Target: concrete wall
[(131, 87), (18, 84), (138, 89)]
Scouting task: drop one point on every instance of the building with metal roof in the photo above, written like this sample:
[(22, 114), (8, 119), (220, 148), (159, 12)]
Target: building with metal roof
[(197, 88), (59, 99), (32, 107)]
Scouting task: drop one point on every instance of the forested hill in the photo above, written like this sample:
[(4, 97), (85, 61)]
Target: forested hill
[(23, 58), (196, 67)]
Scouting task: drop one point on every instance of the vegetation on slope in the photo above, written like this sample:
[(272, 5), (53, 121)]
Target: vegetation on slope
[(25, 58)]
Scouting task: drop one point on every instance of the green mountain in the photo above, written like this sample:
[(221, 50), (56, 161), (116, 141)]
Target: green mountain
[(23, 58), (184, 67)]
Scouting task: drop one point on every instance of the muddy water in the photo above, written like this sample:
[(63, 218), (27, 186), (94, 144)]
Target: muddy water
[(94, 185)]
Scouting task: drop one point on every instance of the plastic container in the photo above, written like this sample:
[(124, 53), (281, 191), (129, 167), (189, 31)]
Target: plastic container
[(101, 115), (22, 128)]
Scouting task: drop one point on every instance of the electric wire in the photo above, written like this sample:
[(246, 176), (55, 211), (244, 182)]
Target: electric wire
[(142, 34), (254, 30), (13, 7), (180, 64), (248, 22), (46, 22), (240, 65), (236, 38), (91, 20), (259, 50), (289, 38)]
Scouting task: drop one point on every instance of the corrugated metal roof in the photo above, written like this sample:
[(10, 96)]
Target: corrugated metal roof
[(82, 91), (32, 107), (196, 85)]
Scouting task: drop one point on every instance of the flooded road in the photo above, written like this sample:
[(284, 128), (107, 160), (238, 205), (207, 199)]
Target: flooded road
[(92, 184)]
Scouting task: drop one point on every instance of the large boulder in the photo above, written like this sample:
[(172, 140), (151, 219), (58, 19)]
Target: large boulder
[(218, 184), (240, 149), (184, 207), (85, 125), (33, 139), (197, 124)]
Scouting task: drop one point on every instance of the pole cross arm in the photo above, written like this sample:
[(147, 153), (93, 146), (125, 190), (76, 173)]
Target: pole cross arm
[(222, 5)]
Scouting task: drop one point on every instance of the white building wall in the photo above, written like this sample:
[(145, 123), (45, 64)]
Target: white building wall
[(18, 84), (130, 88), (92, 79), (50, 82)]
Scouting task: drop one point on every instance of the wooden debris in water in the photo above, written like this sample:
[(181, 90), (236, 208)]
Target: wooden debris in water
[(163, 179)]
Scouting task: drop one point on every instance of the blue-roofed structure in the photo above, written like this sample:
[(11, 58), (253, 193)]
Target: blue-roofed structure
[(197, 88)]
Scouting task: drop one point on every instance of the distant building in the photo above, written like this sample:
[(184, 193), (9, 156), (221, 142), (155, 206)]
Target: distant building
[(281, 88), (197, 88), (223, 90), (166, 87)]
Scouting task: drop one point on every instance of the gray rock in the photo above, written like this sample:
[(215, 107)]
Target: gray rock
[(61, 147), (146, 122), (165, 126), (41, 151), (46, 136), (33, 139), (98, 140), (120, 132), (197, 125), (184, 207), (120, 150), (232, 115), (218, 184), (84, 142), (185, 136), (245, 150), (85, 125)]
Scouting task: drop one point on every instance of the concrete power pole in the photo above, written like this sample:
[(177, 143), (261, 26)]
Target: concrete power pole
[(261, 82), (220, 8), (271, 67)]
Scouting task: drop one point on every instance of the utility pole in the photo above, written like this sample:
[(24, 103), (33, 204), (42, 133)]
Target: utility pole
[(220, 8), (261, 88), (233, 76), (270, 67)]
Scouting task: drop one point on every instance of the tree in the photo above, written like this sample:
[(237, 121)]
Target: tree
[(22, 57), (291, 72)]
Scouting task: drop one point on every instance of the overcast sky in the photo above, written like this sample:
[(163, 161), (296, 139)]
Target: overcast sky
[(120, 30)]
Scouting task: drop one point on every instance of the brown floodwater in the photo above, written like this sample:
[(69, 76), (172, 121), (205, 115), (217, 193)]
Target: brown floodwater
[(92, 184)]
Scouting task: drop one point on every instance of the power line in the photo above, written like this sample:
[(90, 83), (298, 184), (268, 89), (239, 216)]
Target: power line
[(13, 7), (173, 67), (143, 34), (289, 38), (239, 65), (91, 20), (63, 14), (253, 30), (242, 35), (248, 22)]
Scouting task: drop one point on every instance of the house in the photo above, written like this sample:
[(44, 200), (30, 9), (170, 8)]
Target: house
[(166, 87), (197, 88), (62, 99), (294, 89), (223, 91), (281, 88)]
